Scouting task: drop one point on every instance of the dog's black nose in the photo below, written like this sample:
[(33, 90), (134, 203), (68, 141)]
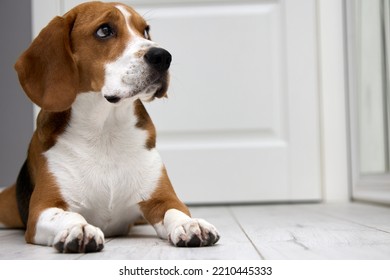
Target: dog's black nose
[(158, 58)]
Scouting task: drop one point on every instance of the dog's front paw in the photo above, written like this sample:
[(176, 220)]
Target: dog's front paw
[(80, 239), (194, 233)]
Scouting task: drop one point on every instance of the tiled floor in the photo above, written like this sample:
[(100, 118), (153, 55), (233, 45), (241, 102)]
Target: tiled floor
[(296, 231)]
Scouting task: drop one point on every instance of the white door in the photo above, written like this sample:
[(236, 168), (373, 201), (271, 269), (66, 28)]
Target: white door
[(241, 122)]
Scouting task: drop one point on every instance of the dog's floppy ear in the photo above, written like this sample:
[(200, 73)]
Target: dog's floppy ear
[(47, 70)]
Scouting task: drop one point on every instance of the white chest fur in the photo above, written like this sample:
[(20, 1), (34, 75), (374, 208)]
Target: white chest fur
[(101, 164)]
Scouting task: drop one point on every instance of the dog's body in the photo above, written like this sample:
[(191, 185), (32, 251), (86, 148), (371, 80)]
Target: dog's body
[(92, 168)]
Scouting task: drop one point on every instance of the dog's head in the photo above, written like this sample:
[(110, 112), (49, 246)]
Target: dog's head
[(99, 47)]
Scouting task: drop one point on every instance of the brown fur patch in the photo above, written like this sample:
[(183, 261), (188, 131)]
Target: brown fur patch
[(9, 213), (47, 71), (50, 125), (145, 122), (162, 199)]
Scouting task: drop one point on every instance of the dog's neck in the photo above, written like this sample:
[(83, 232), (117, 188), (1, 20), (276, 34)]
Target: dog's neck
[(92, 119), (93, 111)]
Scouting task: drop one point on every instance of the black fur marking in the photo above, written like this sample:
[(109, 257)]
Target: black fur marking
[(24, 189)]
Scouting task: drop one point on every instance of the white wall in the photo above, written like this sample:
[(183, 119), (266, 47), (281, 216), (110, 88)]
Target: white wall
[(15, 108)]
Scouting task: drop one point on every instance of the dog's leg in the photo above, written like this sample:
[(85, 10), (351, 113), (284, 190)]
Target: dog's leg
[(67, 231), (49, 223), (171, 218)]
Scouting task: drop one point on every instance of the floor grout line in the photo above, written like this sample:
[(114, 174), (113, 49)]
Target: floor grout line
[(229, 208)]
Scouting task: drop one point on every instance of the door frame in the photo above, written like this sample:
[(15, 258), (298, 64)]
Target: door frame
[(364, 187), (333, 101)]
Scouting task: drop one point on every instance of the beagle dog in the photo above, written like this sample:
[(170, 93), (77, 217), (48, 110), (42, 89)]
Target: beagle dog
[(92, 169)]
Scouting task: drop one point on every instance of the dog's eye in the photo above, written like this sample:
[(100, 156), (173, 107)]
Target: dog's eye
[(105, 31), (146, 32)]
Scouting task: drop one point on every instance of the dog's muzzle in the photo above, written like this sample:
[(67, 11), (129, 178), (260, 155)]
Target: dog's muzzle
[(151, 76)]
